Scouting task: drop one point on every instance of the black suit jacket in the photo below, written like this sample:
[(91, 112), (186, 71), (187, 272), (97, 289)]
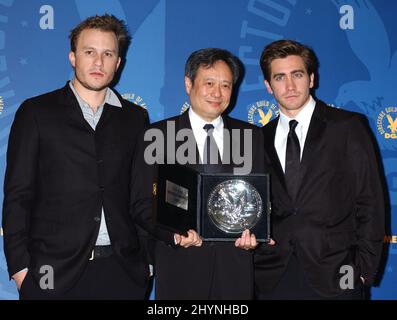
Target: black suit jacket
[(220, 268), (60, 172), (338, 216)]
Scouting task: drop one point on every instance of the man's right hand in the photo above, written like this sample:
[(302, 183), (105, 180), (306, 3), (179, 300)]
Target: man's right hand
[(192, 239), (19, 278)]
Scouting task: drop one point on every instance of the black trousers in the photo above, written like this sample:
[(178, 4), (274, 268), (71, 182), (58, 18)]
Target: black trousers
[(104, 278), (295, 286)]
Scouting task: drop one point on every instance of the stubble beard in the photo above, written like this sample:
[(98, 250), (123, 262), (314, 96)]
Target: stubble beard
[(89, 87)]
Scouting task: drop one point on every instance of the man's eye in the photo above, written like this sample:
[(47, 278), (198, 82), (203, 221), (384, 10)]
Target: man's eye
[(109, 54), (278, 78), (88, 52)]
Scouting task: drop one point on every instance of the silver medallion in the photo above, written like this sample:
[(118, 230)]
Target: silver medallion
[(234, 205)]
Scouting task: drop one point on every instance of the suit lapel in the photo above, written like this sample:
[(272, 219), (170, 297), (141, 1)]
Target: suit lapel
[(313, 141), (183, 122), (269, 136), (230, 145), (108, 112), (69, 101)]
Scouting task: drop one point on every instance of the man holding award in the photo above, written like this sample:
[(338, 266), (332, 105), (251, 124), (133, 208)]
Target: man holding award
[(186, 267)]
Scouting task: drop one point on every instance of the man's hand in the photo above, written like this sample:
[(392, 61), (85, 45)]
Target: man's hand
[(193, 239), (247, 241), (271, 242), (19, 278)]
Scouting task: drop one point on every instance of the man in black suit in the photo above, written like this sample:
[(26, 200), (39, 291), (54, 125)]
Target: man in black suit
[(328, 204), (185, 266), (72, 222)]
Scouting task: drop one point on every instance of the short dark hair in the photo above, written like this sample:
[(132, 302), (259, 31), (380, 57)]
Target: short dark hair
[(106, 23), (284, 48), (207, 58)]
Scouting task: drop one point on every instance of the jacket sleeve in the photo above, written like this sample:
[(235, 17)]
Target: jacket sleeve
[(20, 187), (141, 207), (369, 205)]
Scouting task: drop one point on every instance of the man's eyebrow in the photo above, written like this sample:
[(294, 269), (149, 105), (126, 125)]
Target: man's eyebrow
[(292, 72), (298, 70), (93, 48), (279, 74)]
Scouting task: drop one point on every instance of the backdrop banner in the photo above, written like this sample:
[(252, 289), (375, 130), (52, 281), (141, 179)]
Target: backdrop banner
[(355, 41)]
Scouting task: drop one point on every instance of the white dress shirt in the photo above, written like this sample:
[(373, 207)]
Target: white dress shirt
[(280, 141), (200, 134)]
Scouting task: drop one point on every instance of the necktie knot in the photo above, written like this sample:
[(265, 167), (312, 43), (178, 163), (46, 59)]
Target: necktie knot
[(211, 152), (292, 125), (207, 127)]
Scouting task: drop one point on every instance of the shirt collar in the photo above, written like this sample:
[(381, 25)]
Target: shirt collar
[(303, 117), (110, 97), (198, 123)]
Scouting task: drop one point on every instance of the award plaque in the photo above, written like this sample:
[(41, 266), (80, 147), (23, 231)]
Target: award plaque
[(234, 205), (218, 206)]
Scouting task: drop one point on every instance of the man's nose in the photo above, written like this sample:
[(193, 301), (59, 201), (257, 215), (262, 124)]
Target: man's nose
[(98, 60), (217, 92), (290, 83)]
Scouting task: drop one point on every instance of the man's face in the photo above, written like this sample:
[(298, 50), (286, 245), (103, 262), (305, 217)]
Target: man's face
[(211, 91), (290, 83), (96, 59)]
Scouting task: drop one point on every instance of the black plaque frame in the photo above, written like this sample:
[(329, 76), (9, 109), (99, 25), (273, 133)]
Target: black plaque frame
[(178, 217)]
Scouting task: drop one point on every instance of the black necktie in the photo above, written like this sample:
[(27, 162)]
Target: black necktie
[(211, 151), (292, 160)]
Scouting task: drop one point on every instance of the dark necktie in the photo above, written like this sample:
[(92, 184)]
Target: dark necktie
[(292, 160), (211, 151)]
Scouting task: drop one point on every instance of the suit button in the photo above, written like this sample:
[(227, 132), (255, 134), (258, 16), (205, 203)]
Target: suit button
[(102, 188), (97, 219), (295, 212), (99, 161)]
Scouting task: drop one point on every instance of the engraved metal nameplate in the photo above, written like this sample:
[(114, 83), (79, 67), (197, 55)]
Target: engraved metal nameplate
[(176, 195)]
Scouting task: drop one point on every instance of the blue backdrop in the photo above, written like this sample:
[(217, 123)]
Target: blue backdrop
[(355, 40)]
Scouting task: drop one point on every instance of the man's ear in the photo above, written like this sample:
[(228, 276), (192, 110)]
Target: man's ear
[(311, 80), (72, 58), (268, 87), (188, 85), (118, 63)]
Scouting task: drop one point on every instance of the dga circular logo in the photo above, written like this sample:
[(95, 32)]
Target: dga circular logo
[(1, 104), (132, 97), (261, 112), (387, 123), (185, 107)]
